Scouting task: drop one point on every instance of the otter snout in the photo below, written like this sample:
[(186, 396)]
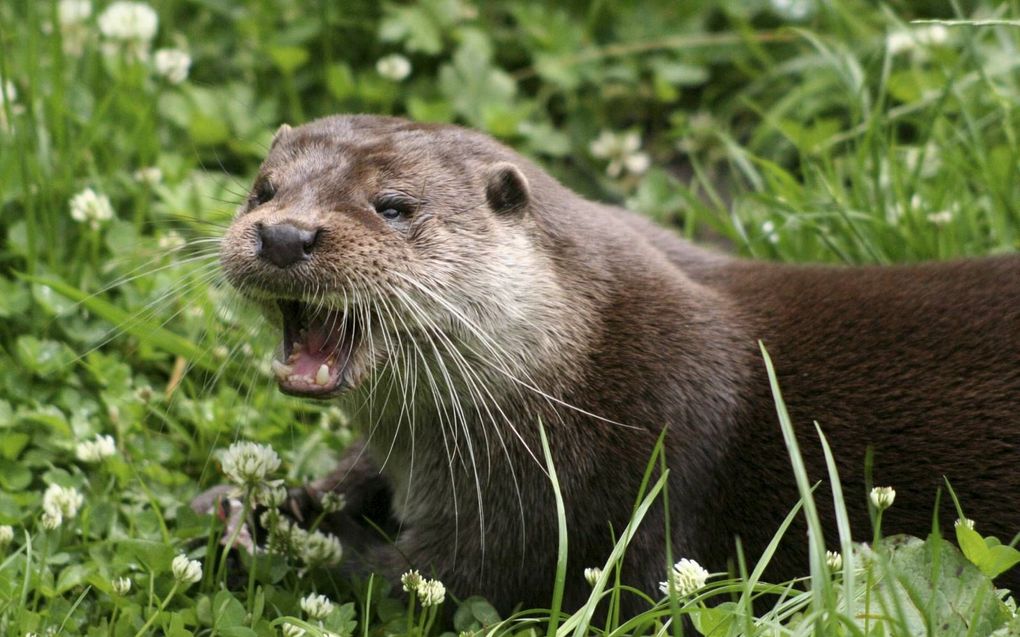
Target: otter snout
[(285, 244)]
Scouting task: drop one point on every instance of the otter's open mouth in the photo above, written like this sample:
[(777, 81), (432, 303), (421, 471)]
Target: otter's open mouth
[(318, 348)]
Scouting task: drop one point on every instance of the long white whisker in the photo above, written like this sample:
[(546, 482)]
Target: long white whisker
[(485, 340)]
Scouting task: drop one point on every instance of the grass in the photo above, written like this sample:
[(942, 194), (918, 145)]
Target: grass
[(784, 130)]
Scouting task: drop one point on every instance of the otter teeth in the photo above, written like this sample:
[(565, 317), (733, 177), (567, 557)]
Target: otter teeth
[(322, 376), (295, 351), (281, 370)]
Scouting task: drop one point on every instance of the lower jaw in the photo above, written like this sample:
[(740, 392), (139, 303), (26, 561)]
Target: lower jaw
[(307, 387), (351, 375), (315, 394)]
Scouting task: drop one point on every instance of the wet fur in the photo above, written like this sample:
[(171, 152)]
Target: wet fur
[(607, 314)]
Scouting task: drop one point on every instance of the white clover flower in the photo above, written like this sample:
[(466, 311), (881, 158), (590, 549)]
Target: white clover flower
[(149, 175), (121, 585), (431, 592), (898, 42), (248, 463), (290, 630), (834, 559), (186, 571), (129, 21), (931, 155), (90, 207), (6, 535), (73, 12), (393, 67), (964, 522), (934, 34), (894, 213), (686, 577), (795, 10), (941, 217), (51, 520), (320, 548), (9, 92), (768, 228), (96, 450), (270, 519), (284, 535), (623, 152), (62, 502), (882, 497), (173, 64), (316, 606), (603, 145), (271, 494), (411, 580), (73, 15), (144, 393), (637, 163), (591, 575), (331, 502), (172, 241), (921, 37)]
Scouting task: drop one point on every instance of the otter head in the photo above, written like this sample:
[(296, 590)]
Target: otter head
[(362, 235)]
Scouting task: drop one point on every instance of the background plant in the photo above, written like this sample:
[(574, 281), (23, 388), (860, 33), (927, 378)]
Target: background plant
[(782, 129)]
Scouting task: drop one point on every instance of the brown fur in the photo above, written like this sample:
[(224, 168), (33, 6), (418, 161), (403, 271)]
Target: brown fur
[(613, 316)]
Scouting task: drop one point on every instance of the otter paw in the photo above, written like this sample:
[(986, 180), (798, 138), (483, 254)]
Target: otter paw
[(302, 504), (222, 502), (208, 501)]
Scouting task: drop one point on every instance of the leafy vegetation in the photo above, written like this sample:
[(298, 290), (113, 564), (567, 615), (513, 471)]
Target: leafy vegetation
[(784, 129)]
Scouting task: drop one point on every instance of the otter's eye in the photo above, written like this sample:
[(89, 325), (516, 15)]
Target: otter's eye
[(392, 208), (264, 191)]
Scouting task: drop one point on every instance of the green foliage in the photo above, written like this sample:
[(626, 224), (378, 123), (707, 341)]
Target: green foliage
[(929, 583), (786, 129), (987, 553)]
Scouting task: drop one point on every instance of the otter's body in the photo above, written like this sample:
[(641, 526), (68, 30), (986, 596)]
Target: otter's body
[(490, 298)]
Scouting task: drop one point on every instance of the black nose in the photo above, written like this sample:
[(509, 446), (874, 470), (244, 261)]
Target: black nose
[(285, 244)]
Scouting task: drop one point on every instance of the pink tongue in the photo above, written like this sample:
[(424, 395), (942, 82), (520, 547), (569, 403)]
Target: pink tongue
[(322, 340), (306, 364)]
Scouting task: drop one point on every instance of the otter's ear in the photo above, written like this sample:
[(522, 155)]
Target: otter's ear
[(507, 188), (280, 133)]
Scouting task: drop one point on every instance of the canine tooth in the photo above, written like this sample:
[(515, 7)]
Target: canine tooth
[(322, 376), (281, 370), (298, 347)]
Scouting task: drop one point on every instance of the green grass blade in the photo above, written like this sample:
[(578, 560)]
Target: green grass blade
[(579, 621), (842, 523), (151, 333), (561, 523), (821, 586)]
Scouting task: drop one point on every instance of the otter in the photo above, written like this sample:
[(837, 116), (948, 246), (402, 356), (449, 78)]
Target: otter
[(457, 298)]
